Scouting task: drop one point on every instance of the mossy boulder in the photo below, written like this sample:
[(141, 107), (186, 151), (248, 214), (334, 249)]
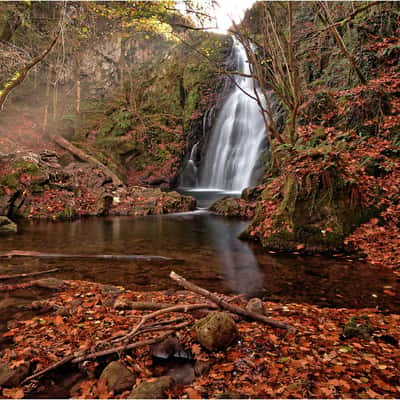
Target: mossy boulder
[(118, 377), (314, 220), (358, 326), (233, 207), (216, 331), (7, 226), (155, 389)]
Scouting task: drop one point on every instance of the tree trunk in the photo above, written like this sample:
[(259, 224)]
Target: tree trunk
[(81, 155)]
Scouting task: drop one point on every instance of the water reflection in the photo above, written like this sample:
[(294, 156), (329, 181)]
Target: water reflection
[(240, 267), (212, 257)]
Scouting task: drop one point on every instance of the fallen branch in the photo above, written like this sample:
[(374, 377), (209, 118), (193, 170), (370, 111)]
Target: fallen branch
[(148, 306), (223, 304), (119, 349), (4, 277), (25, 253), (81, 155), (58, 364), (177, 308)]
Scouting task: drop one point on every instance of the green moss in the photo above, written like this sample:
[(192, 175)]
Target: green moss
[(27, 167), (358, 327), (10, 180)]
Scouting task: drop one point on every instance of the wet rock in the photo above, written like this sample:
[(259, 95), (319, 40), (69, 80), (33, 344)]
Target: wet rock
[(7, 226), (216, 331), (50, 283), (233, 207), (118, 377), (255, 305), (155, 389), (359, 327), (13, 377), (169, 348), (201, 367)]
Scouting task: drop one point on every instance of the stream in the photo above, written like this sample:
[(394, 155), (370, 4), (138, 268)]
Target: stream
[(205, 250)]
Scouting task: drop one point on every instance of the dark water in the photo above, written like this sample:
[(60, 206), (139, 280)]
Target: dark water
[(211, 256)]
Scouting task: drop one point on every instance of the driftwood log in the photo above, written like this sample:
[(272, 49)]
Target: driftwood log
[(141, 257), (229, 307)]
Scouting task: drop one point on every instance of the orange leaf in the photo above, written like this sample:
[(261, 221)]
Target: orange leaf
[(58, 320)]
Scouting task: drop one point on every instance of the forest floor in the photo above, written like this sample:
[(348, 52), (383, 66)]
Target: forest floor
[(315, 361)]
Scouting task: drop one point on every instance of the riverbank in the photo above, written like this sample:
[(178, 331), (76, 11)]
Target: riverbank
[(316, 361)]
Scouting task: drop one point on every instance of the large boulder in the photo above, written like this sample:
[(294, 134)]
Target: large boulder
[(216, 331), (155, 389), (7, 226), (118, 377)]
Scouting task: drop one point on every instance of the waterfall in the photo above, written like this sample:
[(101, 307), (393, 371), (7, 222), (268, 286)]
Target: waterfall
[(237, 137), (189, 175)]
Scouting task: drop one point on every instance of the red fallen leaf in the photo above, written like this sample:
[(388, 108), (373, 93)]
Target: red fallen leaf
[(14, 393), (58, 320), (389, 292)]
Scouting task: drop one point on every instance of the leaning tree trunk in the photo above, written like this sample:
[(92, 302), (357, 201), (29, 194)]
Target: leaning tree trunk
[(21, 74)]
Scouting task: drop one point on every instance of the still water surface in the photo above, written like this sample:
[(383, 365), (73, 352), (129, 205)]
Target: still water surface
[(207, 252)]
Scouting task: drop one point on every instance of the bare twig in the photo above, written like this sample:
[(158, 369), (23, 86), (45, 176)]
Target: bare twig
[(119, 349), (234, 309), (177, 308)]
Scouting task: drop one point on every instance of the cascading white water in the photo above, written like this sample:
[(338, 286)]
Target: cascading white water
[(237, 136)]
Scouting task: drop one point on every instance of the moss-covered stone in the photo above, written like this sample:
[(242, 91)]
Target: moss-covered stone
[(216, 331), (359, 327)]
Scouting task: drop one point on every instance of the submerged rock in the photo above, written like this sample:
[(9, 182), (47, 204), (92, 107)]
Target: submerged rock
[(118, 377), (216, 331), (7, 226), (155, 389)]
